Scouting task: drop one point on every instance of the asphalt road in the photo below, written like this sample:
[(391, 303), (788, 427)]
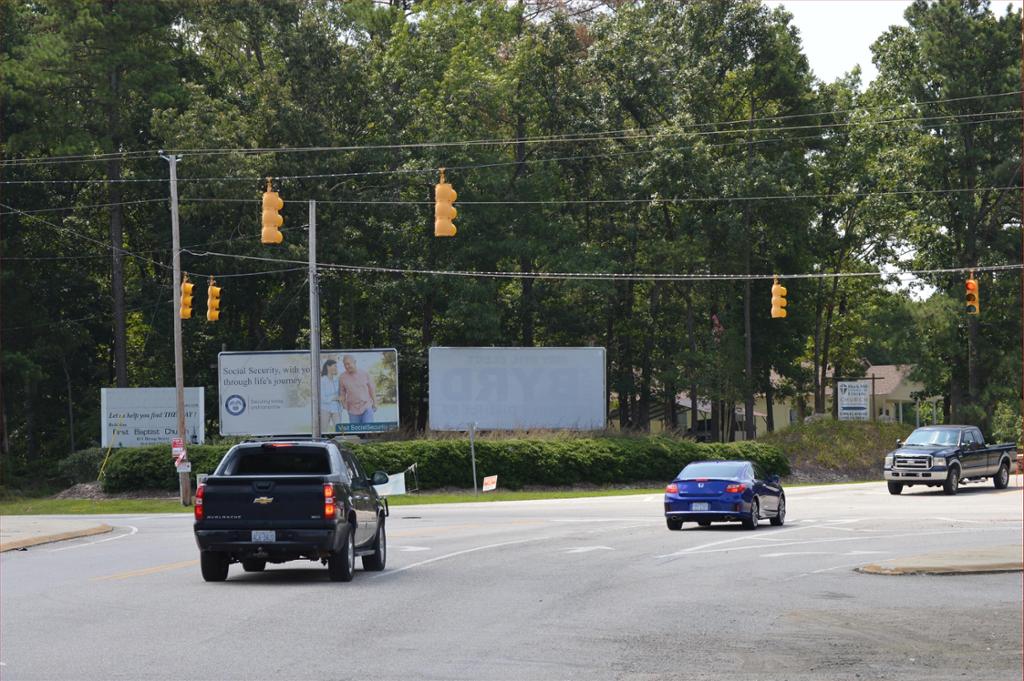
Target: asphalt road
[(589, 588)]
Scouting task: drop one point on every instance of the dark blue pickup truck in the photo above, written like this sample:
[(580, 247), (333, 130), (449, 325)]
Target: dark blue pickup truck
[(290, 500), (947, 456)]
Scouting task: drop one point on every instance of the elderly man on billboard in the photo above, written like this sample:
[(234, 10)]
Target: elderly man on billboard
[(357, 393)]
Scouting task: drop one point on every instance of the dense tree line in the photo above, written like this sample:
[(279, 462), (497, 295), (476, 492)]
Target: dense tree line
[(687, 137)]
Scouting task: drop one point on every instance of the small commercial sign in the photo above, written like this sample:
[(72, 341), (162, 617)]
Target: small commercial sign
[(268, 393), (490, 483), (854, 400), (135, 417)]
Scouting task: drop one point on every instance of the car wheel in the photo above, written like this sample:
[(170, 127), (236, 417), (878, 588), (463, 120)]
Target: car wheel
[(253, 565), (341, 566), (376, 560), (674, 524), (780, 517), (952, 484), (704, 523), (751, 522), (1002, 478), (214, 565), (894, 487)]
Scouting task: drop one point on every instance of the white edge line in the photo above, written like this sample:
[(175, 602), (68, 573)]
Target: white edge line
[(460, 553), (692, 549), (92, 543)]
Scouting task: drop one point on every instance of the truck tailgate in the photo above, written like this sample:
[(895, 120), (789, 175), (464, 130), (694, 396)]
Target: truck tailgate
[(240, 502)]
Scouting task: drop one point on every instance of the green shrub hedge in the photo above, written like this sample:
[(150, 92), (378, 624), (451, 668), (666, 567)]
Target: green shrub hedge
[(446, 463), (82, 466)]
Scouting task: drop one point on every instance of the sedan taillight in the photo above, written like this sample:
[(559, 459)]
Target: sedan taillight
[(672, 488), (736, 488)]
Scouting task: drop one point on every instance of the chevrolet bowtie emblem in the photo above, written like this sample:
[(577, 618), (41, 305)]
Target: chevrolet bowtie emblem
[(263, 500)]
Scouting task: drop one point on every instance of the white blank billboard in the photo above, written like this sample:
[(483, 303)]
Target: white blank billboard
[(517, 388)]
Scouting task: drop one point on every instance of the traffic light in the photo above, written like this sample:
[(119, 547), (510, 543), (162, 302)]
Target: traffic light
[(186, 298), (212, 301), (778, 300), (272, 219), (444, 211), (971, 303)]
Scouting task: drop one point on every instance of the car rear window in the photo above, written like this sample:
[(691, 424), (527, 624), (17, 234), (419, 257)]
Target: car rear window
[(278, 460), (725, 471)]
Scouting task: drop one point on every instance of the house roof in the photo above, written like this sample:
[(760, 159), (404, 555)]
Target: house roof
[(888, 377), (704, 407)]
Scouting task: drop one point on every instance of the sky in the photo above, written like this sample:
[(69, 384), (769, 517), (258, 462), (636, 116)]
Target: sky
[(837, 34)]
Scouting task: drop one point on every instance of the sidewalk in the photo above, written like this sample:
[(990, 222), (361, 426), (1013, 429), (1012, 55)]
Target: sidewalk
[(19, 532), (961, 562)]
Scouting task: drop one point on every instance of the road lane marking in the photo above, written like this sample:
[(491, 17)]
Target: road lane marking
[(93, 543), (588, 549), (691, 549), (460, 553), (796, 553), (148, 571), (844, 539), (409, 549)]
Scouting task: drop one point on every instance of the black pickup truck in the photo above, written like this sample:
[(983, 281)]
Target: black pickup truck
[(947, 456), (289, 500)]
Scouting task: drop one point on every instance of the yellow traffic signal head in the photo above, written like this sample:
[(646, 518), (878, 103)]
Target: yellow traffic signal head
[(185, 312), (778, 300), (444, 211), (272, 219), (972, 304), (212, 302)]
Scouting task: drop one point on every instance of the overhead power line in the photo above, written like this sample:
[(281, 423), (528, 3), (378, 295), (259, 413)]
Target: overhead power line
[(457, 167), (615, 276), (623, 133)]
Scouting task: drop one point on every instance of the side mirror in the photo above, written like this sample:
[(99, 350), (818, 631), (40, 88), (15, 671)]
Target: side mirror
[(379, 478), (773, 479), (899, 442)]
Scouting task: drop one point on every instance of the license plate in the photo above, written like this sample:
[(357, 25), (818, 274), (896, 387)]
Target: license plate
[(264, 536), (699, 506)]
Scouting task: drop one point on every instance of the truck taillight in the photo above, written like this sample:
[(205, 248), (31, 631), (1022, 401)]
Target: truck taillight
[(329, 508), (198, 508)]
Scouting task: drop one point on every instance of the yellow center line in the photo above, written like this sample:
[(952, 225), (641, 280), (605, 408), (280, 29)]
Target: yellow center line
[(148, 571)]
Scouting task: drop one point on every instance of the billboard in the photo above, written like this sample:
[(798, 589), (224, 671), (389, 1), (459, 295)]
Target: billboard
[(268, 393), (135, 417), (854, 398), (517, 388)]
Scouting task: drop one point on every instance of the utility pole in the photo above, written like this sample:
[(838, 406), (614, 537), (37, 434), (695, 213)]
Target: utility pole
[(314, 327), (184, 482)]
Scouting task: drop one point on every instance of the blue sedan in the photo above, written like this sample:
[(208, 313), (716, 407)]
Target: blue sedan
[(723, 491)]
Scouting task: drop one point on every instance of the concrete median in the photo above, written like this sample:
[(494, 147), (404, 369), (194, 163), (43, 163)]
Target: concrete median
[(20, 532), (963, 562)]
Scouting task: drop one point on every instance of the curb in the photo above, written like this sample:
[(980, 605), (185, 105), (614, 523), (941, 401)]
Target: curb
[(50, 538), (980, 569)]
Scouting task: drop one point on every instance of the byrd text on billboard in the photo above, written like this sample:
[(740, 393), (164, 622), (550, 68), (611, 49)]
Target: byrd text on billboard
[(854, 398), (517, 388), (135, 417), (268, 393)]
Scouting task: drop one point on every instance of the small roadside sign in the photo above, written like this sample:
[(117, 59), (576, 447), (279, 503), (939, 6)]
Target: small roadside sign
[(490, 483), (183, 467)]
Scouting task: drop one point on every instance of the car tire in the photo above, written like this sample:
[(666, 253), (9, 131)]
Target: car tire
[(750, 522), (704, 523), (952, 484), (894, 487), (780, 516), (375, 561), (674, 524), (214, 565), (253, 565), (341, 566), (1001, 479)]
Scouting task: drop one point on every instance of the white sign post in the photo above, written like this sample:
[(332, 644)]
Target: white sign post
[(268, 393), (517, 388), (854, 398), (135, 417)]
